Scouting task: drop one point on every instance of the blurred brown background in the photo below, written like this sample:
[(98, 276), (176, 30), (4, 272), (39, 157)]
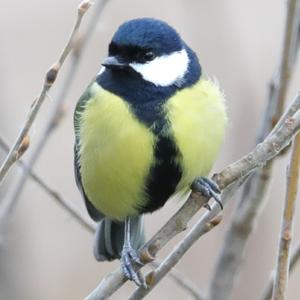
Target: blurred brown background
[(47, 255)]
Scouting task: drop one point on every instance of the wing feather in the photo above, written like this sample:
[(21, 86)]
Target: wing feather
[(93, 212)]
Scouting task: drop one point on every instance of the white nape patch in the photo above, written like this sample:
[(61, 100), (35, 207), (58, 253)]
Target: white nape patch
[(101, 70), (164, 70)]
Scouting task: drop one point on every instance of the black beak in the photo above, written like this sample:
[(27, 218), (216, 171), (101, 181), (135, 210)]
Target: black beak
[(113, 62)]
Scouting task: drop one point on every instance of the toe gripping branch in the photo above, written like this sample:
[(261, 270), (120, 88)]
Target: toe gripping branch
[(130, 257), (209, 189)]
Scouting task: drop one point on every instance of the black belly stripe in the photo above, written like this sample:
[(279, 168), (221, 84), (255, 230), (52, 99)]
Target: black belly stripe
[(165, 172), (164, 175)]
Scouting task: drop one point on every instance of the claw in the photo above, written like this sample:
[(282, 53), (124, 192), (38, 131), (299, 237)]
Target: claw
[(130, 258), (208, 188), (213, 185), (207, 206)]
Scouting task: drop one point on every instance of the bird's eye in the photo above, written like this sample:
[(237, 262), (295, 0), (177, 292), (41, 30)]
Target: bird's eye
[(149, 55)]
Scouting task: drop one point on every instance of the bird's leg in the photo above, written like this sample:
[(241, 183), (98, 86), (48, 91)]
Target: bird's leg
[(208, 188), (129, 257)]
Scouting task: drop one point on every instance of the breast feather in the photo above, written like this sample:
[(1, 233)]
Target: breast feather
[(198, 119)]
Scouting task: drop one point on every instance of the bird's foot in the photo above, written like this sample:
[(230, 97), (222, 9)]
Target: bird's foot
[(129, 258), (209, 189)]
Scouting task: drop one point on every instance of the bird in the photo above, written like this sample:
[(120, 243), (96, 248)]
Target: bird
[(149, 126)]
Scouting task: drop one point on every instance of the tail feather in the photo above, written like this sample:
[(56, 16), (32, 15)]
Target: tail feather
[(109, 238)]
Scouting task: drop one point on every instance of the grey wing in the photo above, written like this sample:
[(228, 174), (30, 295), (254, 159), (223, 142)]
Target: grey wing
[(93, 212)]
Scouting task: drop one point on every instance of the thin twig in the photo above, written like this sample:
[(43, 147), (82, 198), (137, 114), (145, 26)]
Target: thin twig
[(251, 201), (281, 277), (295, 257), (14, 154), (263, 152), (74, 212), (57, 111)]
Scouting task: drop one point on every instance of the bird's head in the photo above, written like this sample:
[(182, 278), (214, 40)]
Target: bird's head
[(151, 48)]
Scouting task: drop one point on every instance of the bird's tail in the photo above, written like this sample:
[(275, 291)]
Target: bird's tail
[(109, 237)]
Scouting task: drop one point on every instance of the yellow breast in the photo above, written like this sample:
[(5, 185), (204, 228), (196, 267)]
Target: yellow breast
[(198, 117), (115, 155)]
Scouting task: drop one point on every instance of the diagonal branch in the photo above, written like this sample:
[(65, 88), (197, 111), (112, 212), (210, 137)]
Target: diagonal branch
[(207, 222), (15, 153), (263, 152), (153, 278)]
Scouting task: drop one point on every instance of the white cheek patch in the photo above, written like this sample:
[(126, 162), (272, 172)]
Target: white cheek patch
[(164, 70)]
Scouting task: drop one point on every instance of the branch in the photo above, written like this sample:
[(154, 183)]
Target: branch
[(15, 152), (267, 294), (281, 277), (57, 111), (173, 258), (207, 222), (251, 201), (83, 221), (263, 152)]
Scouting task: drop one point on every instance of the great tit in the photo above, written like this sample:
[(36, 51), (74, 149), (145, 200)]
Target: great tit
[(147, 127)]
